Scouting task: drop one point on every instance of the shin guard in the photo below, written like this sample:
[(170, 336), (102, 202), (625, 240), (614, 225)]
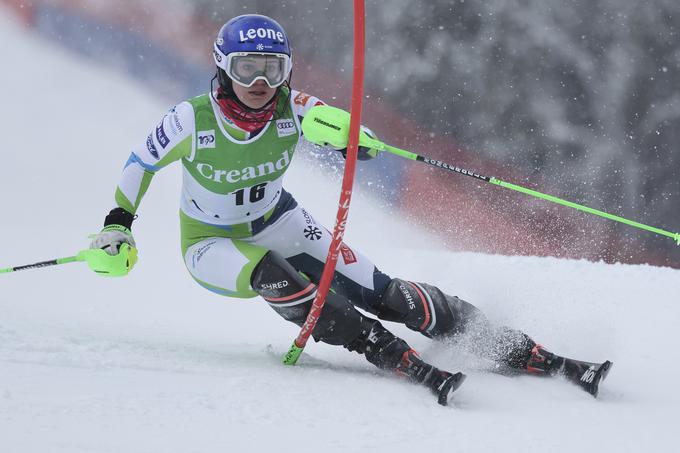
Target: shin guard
[(426, 309)]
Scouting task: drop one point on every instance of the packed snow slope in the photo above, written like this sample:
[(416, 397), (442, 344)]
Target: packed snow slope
[(154, 363)]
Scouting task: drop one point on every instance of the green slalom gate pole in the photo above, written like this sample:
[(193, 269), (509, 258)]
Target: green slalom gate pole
[(325, 125)]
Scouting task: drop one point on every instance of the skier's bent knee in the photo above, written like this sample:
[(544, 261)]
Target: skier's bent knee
[(291, 296), (426, 309)]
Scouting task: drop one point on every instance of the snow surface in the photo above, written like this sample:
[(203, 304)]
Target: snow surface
[(154, 363)]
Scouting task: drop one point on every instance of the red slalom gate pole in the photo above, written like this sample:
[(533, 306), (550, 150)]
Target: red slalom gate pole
[(346, 194)]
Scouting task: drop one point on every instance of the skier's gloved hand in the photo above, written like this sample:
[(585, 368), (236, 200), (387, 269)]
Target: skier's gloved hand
[(364, 153), (116, 232), (112, 252), (111, 238)]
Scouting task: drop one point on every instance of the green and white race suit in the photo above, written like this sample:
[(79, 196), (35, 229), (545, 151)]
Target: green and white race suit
[(233, 206)]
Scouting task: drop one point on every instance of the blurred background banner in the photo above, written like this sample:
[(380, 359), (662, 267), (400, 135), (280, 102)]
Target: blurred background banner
[(577, 98)]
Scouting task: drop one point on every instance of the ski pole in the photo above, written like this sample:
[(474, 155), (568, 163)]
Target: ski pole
[(325, 125), (55, 262), (98, 260), (352, 138), (533, 193)]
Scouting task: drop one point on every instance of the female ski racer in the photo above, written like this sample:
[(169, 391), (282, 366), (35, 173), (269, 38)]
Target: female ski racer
[(244, 235)]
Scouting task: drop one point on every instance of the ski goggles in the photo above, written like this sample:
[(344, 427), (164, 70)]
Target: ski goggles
[(246, 68)]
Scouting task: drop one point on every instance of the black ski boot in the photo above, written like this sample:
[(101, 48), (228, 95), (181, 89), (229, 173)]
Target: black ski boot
[(586, 375), (391, 353), (440, 382)]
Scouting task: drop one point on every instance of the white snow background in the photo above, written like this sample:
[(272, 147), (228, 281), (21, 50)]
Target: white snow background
[(155, 363)]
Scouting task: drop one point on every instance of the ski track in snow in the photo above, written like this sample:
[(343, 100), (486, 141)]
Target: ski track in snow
[(155, 363)]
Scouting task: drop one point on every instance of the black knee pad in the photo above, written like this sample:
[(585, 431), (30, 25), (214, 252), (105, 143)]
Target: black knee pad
[(282, 287), (426, 309), (291, 296)]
